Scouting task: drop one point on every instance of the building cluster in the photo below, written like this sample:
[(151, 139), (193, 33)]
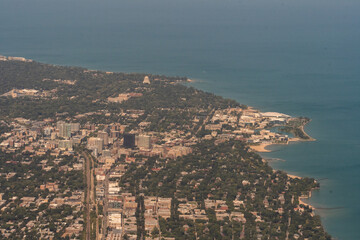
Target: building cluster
[(123, 97), (15, 93), (38, 137), (249, 125), (9, 58), (115, 147), (46, 148), (61, 81), (121, 214)]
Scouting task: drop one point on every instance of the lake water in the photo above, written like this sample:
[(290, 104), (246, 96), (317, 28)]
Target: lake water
[(297, 57)]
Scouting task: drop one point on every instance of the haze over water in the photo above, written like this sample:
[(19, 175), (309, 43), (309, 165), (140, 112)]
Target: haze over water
[(297, 57)]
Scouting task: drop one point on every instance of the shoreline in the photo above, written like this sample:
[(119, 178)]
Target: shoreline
[(263, 148), (302, 197), (301, 202), (310, 139)]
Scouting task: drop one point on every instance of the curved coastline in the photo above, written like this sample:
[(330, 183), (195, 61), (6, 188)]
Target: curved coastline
[(264, 148)]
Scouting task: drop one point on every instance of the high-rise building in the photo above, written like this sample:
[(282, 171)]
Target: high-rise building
[(95, 143), (104, 136), (64, 129), (129, 140), (59, 123), (144, 141)]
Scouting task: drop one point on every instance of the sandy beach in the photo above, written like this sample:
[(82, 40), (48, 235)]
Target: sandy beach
[(261, 147), (294, 176)]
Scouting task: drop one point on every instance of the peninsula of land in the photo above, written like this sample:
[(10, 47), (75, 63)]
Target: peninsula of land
[(88, 154), (294, 126)]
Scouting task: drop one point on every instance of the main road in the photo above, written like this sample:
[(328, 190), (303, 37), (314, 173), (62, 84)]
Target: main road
[(90, 188)]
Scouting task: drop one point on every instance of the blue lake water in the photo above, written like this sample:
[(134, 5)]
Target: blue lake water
[(297, 57)]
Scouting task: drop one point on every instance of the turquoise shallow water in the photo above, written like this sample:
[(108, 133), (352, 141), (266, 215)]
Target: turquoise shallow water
[(297, 57)]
